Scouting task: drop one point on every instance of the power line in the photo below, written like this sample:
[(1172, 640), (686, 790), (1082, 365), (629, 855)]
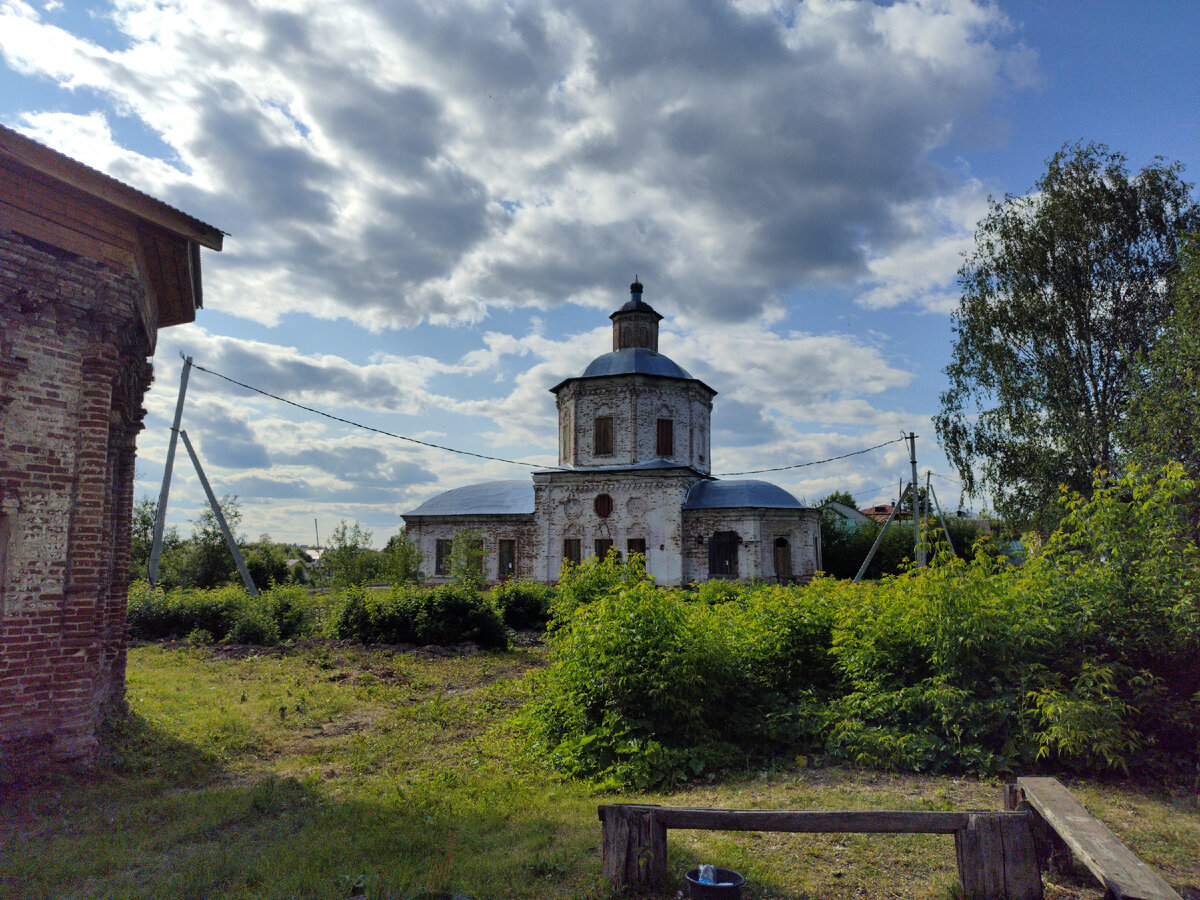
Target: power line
[(815, 462), (401, 437), (514, 462)]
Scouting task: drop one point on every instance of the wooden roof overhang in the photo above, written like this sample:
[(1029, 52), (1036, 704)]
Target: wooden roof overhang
[(58, 200)]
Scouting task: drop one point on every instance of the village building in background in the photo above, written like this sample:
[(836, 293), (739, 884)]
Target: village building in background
[(90, 270), (634, 476)]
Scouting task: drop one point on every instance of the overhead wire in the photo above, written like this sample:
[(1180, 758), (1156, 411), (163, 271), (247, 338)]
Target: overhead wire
[(514, 462)]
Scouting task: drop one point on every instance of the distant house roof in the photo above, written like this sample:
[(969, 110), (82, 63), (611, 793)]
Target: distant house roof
[(738, 494), (489, 498), (632, 361), (881, 512), (849, 513)]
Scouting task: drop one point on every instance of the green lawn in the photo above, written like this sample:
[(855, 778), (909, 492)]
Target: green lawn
[(329, 770)]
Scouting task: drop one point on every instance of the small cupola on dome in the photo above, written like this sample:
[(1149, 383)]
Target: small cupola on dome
[(635, 324)]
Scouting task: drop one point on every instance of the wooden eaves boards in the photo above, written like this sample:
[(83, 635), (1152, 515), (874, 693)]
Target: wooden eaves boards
[(55, 199)]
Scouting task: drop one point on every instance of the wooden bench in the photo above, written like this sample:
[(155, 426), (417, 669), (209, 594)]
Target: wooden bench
[(996, 854), (1000, 855), (1065, 831)]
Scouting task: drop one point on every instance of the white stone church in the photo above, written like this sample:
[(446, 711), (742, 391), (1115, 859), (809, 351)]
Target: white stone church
[(634, 474)]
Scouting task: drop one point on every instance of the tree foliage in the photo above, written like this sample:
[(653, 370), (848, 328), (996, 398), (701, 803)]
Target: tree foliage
[(1163, 424), (349, 558), (1064, 288)]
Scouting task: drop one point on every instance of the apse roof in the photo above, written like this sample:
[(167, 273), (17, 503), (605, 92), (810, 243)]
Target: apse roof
[(738, 494), (488, 498)]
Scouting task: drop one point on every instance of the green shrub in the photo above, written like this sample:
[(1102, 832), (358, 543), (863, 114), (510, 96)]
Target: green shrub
[(524, 604), (646, 688), (222, 614), (449, 614), (160, 615), (594, 578)]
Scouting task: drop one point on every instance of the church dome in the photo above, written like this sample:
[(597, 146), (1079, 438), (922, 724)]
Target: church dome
[(634, 361)]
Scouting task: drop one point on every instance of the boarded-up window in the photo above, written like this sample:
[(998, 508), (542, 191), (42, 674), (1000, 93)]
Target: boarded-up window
[(603, 505), (636, 545), (723, 555), (603, 439), (565, 442), (603, 545), (783, 559), (572, 551), (666, 438), (441, 560), (507, 560)]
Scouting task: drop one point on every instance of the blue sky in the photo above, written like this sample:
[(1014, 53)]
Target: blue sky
[(433, 207)]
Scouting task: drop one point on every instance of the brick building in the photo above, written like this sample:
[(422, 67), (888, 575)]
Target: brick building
[(90, 269), (634, 475)]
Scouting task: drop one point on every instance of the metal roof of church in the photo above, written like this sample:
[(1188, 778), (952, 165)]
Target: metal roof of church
[(738, 494), (489, 498), (632, 361)]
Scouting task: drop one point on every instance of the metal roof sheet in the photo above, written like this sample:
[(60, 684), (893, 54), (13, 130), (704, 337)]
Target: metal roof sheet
[(489, 498), (634, 361), (737, 494)]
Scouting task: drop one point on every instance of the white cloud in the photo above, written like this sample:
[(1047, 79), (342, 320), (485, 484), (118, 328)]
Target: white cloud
[(399, 162)]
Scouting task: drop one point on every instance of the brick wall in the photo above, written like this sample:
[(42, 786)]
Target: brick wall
[(73, 372)]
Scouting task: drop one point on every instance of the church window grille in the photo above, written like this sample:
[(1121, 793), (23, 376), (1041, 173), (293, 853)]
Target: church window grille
[(603, 545), (507, 560), (572, 551), (723, 555), (441, 558)]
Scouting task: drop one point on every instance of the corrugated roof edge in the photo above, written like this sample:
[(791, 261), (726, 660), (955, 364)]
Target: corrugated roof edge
[(68, 170)]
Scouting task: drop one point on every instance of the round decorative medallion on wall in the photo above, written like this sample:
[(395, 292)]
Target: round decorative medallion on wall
[(636, 506), (604, 505), (573, 508)]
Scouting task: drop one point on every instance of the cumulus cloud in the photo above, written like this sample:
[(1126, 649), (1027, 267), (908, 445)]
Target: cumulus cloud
[(394, 163)]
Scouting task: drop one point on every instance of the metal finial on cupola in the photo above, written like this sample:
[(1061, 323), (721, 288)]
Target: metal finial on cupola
[(636, 287)]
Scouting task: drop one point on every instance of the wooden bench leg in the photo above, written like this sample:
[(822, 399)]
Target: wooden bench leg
[(997, 859), (635, 846)]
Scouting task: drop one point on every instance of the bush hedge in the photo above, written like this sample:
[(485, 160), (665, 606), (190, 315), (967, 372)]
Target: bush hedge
[(450, 614), (1087, 656), (221, 614)]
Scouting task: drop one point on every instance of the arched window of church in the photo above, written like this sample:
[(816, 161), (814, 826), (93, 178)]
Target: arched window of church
[(723, 555)]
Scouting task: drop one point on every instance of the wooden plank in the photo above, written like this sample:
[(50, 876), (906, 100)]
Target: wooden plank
[(1122, 874), (816, 821), (66, 238), (42, 196), (96, 184)]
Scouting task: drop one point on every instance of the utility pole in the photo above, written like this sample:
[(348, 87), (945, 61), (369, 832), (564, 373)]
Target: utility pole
[(160, 516), (216, 508), (918, 547)]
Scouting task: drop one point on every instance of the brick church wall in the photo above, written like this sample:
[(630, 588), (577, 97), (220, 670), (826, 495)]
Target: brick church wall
[(73, 372)]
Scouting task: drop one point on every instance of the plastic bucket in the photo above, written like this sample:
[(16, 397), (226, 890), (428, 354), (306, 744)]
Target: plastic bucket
[(730, 890)]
